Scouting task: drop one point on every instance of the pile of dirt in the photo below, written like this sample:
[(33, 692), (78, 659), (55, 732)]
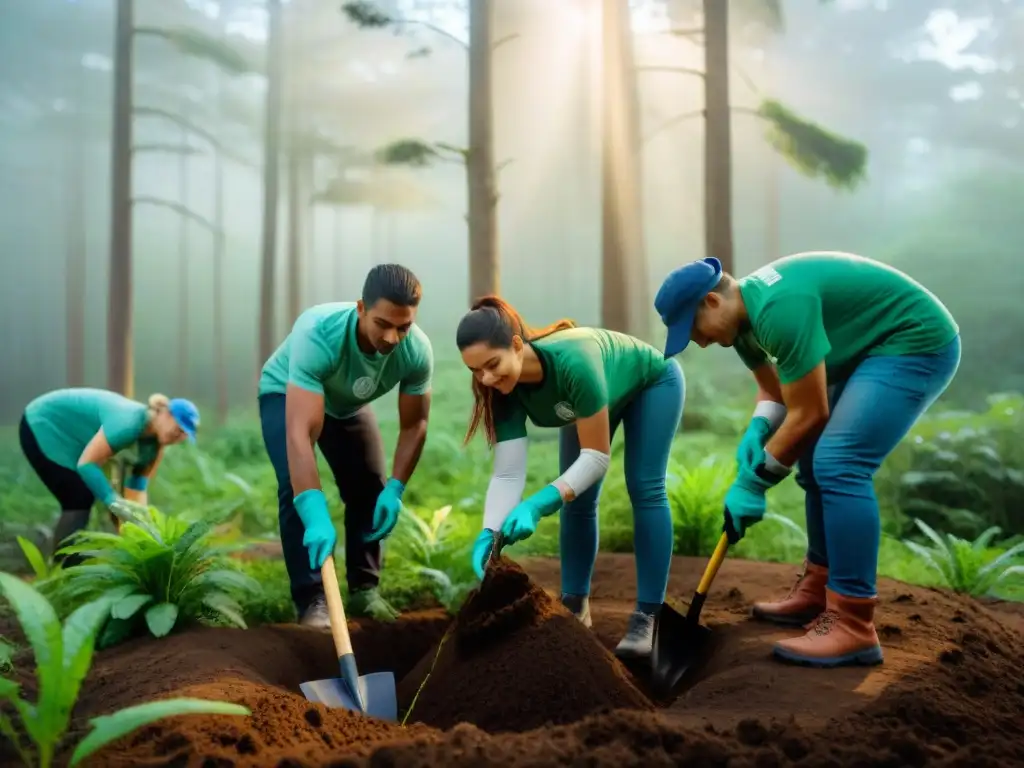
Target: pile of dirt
[(515, 659)]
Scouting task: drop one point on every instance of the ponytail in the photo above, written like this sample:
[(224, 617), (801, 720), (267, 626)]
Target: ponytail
[(493, 321)]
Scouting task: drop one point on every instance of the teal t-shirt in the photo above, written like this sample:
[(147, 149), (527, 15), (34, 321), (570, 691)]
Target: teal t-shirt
[(64, 421), (585, 369), (838, 308), (322, 355)]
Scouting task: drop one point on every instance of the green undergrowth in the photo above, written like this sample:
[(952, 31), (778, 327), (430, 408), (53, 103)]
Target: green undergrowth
[(958, 472)]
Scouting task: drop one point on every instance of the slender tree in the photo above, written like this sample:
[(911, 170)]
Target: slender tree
[(478, 157)]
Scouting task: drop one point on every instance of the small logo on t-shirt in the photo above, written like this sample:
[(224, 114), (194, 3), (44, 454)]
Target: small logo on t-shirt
[(363, 387), (564, 411), (767, 275)]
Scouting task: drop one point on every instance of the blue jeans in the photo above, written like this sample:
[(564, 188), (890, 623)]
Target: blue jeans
[(871, 412), (651, 420)]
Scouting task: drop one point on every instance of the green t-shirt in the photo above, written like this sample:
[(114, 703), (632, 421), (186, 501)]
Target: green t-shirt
[(65, 420), (321, 355), (839, 308), (585, 369)]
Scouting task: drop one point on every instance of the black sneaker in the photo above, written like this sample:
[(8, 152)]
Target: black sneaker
[(316, 615)]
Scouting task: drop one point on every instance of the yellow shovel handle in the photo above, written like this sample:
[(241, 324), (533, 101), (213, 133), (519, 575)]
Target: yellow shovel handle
[(713, 565)]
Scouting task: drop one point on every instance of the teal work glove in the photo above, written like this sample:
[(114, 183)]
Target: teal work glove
[(751, 447), (745, 502), (522, 521), (320, 536), (385, 514), (94, 479), (482, 551)]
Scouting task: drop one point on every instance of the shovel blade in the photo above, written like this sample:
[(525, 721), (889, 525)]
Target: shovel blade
[(679, 645), (377, 689)]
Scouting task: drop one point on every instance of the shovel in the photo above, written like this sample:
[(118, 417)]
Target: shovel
[(680, 640), (372, 694)]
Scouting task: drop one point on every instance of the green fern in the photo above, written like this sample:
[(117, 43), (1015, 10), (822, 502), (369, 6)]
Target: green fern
[(964, 566), (164, 571)]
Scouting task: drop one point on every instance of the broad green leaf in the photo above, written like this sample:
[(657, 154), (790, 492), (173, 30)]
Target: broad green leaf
[(109, 728), (34, 556), (79, 639), (128, 606), (160, 618), (116, 631), (42, 628)]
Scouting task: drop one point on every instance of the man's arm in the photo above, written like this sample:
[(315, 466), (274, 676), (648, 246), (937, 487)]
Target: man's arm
[(413, 414), (797, 335), (807, 413), (304, 418)]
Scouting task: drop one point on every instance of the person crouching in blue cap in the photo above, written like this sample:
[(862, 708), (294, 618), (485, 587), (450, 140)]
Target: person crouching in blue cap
[(69, 434), (847, 353)]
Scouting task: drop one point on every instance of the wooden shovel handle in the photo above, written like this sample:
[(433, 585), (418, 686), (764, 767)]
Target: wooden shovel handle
[(713, 565), (339, 625)]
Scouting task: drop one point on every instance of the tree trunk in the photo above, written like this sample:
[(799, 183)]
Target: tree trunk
[(480, 172), (120, 371), (271, 158), (183, 287), (717, 137), (219, 362), (295, 164), (625, 303), (76, 254)]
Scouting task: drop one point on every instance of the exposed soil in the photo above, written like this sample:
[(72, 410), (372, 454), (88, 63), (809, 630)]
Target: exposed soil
[(950, 692)]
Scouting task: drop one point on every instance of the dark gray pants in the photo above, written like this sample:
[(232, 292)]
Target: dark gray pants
[(355, 454)]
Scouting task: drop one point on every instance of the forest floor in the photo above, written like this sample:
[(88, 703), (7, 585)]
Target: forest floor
[(518, 682)]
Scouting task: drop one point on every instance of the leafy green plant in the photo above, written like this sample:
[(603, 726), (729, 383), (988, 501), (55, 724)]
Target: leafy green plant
[(696, 496), (436, 548), (63, 657), (39, 564), (965, 566), (7, 650), (164, 572)]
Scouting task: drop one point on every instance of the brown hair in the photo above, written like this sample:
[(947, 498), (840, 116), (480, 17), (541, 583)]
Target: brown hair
[(494, 322)]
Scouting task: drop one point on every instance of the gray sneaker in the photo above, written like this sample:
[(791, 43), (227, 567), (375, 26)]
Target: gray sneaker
[(579, 606), (316, 615), (639, 640)]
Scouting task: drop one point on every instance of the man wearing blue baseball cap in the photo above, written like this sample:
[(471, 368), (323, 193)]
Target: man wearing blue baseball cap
[(847, 353), (69, 434)]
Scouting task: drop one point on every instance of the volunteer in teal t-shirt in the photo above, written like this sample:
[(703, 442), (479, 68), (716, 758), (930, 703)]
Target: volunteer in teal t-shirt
[(848, 353), (69, 434), (584, 382), (316, 388)]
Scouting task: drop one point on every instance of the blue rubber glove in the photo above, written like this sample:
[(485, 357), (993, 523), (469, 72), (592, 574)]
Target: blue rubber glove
[(482, 551), (320, 536), (751, 447), (745, 502), (385, 514), (522, 521)]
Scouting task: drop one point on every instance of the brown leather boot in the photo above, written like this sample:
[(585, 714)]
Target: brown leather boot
[(803, 603), (843, 635)]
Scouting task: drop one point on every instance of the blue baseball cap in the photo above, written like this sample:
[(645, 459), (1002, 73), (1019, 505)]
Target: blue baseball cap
[(680, 295), (186, 415)]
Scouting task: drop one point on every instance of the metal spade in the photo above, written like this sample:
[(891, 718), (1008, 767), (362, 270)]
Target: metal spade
[(373, 694), (680, 641)]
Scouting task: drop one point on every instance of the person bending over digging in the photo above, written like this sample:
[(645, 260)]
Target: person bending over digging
[(69, 434), (584, 381), (317, 388), (847, 353)]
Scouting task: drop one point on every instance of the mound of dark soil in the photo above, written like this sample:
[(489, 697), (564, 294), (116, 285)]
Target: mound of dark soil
[(515, 659)]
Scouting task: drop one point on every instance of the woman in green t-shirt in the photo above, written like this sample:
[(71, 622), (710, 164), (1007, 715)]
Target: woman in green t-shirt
[(585, 382), (69, 434)]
